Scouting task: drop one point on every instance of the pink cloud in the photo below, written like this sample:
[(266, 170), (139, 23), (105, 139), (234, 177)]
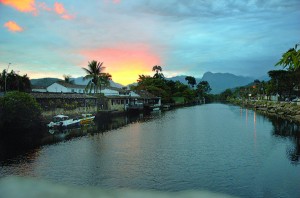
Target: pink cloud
[(21, 5), (44, 6), (114, 1), (60, 10), (13, 26)]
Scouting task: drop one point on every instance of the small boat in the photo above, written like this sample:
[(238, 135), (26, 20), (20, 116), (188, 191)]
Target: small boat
[(56, 120), (86, 119), (61, 122)]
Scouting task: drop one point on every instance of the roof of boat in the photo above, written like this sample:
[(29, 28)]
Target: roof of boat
[(61, 116)]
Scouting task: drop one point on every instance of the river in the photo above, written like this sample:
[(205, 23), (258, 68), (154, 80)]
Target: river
[(215, 147)]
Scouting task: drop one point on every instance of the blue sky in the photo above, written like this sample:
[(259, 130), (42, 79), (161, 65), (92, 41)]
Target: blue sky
[(53, 38)]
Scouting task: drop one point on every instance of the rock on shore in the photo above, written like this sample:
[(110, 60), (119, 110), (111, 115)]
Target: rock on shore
[(286, 110)]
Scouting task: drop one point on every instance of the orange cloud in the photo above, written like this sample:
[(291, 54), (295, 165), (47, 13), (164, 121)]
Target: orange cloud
[(125, 64), (13, 26), (60, 10), (21, 5)]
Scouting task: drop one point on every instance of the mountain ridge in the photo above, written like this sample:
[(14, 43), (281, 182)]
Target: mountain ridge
[(218, 82)]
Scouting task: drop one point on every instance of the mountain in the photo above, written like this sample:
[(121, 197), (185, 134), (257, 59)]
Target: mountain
[(81, 81), (44, 82), (219, 82), (182, 79)]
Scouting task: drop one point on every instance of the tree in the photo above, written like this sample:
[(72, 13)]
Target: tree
[(13, 81), (67, 79), (104, 80), (282, 81), (96, 76), (158, 71), (290, 59), (191, 81), (225, 95), (203, 88), (20, 118)]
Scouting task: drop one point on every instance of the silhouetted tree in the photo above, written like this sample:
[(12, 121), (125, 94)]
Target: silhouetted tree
[(158, 71), (96, 76), (290, 59), (13, 81), (191, 81)]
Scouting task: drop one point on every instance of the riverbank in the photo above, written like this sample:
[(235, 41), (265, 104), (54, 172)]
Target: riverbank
[(286, 110)]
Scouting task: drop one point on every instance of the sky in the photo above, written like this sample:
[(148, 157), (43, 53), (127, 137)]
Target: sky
[(185, 37)]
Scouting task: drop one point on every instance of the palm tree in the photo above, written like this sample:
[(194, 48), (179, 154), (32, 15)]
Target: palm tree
[(67, 79), (158, 71), (96, 76), (290, 59), (104, 79)]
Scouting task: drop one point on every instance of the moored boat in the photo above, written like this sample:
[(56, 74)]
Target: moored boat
[(61, 122), (86, 119)]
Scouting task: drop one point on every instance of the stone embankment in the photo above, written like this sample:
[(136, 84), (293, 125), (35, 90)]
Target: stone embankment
[(286, 110)]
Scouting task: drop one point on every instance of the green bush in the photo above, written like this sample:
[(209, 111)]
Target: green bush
[(19, 109), (20, 118)]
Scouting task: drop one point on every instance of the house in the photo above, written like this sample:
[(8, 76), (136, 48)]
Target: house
[(115, 98), (64, 87)]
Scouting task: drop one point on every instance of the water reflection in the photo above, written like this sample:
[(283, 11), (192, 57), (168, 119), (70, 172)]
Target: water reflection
[(281, 128), (286, 129), (107, 123)]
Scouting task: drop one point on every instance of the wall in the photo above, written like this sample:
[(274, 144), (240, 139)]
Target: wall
[(116, 106), (75, 112)]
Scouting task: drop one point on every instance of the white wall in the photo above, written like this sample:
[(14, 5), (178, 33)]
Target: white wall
[(109, 92), (55, 87)]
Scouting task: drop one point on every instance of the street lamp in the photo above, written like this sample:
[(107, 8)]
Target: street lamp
[(6, 76)]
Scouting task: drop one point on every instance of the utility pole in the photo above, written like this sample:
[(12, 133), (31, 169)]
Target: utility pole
[(6, 74)]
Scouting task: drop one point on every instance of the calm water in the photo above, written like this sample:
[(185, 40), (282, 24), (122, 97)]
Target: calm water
[(214, 147)]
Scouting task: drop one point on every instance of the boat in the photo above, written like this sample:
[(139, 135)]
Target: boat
[(61, 122), (86, 119), (56, 120)]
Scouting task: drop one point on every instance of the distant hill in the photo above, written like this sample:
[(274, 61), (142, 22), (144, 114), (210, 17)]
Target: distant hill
[(81, 81), (182, 79), (219, 82), (43, 82)]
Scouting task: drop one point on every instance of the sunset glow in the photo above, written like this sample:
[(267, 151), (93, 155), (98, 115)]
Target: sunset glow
[(125, 64), (53, 38)]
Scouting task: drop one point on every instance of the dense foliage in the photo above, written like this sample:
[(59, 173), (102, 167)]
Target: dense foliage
[(170, 91), (13, 81), (290, 59), (97, 77), (20, 117)]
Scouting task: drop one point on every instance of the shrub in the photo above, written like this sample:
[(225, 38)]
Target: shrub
[(20, 118)]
